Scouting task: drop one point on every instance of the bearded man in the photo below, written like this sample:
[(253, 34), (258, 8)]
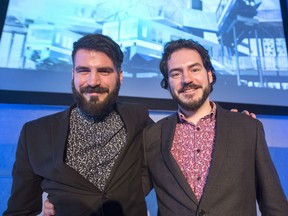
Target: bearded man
[(88, 158), (205, 160)]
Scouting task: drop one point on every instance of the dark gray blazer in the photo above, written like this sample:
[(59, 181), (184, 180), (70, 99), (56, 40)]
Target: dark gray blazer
[(40, 166), (241, 171)]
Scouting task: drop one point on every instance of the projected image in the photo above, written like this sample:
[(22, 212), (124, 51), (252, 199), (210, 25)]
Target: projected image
[(245, 39)]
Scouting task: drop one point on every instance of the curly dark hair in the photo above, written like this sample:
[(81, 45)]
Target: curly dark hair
[(176, 45), (100, 43)]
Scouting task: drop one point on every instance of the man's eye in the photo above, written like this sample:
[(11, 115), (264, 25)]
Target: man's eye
[(195, 69), (175, 74), (105, 72)]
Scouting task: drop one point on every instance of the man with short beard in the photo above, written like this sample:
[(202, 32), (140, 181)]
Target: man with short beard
[(205, 160), (87, 158)]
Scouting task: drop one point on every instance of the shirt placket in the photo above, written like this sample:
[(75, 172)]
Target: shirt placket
[(197, 162)]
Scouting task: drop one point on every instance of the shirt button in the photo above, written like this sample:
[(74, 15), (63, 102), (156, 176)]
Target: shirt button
[(105, 196), (198, 128), (199, 178), (198, 150)]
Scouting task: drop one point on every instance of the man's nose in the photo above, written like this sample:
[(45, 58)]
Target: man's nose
[(94, 79), (187, 76)]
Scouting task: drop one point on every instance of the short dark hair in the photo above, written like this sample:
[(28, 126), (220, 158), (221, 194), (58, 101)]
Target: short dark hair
[(100, 43), (175, 45)]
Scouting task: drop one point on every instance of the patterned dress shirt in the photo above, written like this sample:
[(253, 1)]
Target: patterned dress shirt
[(192, 149)]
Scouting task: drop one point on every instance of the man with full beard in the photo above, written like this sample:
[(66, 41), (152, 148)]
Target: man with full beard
[(205, 160), (87, 158)]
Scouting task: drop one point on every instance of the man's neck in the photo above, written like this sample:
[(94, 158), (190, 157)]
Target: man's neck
[(98, 118), (196, 115)]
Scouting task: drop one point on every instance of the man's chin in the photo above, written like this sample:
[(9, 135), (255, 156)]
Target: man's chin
[(93, 99), (95, 108), (188, 98)]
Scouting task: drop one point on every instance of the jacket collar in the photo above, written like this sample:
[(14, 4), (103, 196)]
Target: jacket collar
[(219, 153)]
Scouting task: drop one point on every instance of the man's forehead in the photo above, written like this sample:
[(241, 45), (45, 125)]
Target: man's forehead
[(185, 58), (92, 52), (85, 53)]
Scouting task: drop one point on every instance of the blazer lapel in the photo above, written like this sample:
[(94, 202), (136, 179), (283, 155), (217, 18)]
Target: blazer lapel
[(167, 134), (59, 135), (131, 128), (219, 152)]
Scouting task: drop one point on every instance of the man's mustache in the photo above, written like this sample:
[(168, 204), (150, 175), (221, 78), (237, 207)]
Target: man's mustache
[(97, 89), (188, 86)]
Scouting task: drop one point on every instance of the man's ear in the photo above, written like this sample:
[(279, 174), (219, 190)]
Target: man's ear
[(164, 83), (121, 76), (210, 77)]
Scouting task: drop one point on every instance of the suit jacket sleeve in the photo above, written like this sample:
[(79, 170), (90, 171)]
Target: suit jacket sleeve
[(146, 179), (270, 196), (26, 194)]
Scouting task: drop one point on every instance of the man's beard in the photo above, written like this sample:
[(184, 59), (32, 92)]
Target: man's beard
[(94, 108), (192, 105)]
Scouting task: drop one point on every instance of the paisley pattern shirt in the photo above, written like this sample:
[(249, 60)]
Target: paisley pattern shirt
[(94, 146), (192, 149)]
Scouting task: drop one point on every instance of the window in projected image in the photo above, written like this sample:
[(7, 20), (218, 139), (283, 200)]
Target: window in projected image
[(245, 39)]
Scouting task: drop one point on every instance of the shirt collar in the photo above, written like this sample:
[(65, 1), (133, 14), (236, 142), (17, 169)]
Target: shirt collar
[(211, 115)]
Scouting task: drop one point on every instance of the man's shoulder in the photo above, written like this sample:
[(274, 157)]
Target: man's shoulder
[(133, 109), (170, 120), (50, 118), (130, 106), (134, 114), (235, 117)]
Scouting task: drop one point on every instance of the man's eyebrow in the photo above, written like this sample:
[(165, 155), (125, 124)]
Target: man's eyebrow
[(189, 66), (105, 68), (108, 68), (195, 64), (81, 68), (174, 69)]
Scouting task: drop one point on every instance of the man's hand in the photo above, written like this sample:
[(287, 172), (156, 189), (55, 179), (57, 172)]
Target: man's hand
[(48, 208), (245, 112)]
